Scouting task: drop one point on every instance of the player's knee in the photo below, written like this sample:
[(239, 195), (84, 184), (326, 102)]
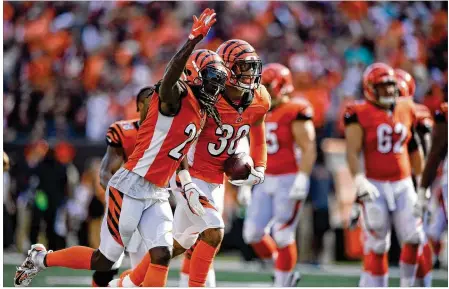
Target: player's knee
[(177, 249), (416, 237), (380, 247), (252, 234), (102, 279), (284, 237), (213, 236), (99, 262), (160, 255), (127, 227)]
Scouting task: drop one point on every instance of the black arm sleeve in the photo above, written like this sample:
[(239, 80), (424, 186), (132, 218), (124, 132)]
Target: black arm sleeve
[(169, 92), (414, 142), (349, 118)]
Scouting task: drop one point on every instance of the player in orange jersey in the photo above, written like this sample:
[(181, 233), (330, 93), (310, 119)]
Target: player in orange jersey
[(242, 110), (437, 156), (136, 196), (120, 140), (424, 124), (276, 203), (383, 127)]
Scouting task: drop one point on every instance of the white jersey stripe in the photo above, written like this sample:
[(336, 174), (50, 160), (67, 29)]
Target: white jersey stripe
[(163, 125)]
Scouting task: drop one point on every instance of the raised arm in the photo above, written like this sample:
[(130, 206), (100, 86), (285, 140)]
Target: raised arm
[(169, 90)]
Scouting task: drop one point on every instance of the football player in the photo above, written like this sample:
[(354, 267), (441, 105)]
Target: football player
[(136, 196), (275, 204), (121, 140), (382, 127), (437, 156), (242, 110), (424, 124)]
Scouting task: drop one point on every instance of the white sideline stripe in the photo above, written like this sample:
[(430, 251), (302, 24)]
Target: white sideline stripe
[(63, 280), (163, 125)]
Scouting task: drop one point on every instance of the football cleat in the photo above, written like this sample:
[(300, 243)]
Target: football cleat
[(31, 266)]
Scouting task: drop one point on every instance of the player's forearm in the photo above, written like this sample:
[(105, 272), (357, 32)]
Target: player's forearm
[(308, 157), (174, 70), (105, 176), (353, 161), (417, 162), (436, 154), (258, 145)]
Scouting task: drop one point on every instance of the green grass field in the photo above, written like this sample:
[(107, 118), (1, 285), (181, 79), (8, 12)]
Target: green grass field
[(229, 273)]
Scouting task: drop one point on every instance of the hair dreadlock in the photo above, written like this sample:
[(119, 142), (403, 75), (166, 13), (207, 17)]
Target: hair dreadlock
[(212, 111)]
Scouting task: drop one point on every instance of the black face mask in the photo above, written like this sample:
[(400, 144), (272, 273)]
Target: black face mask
[(213, 84)]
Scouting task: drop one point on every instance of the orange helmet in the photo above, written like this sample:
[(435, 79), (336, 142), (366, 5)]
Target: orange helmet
[(278, 78), (243, 62), (374, 75), (406, 83), (206, 70)]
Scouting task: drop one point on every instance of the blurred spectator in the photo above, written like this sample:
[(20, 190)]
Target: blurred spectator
[(49, 201), (71, 68)]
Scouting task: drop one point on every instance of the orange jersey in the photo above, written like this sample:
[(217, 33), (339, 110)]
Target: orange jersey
[(163, 140), (281, 144), (215, 145), (123, 134), (386, 135)]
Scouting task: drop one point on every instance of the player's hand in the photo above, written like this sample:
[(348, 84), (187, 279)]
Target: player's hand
[(366, 192), (244, 195), (256, 176), (300, 187), (202, 25), (422, 204), (193, 195)]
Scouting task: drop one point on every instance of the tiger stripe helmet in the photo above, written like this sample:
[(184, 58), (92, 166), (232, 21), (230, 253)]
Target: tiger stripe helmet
[(406, 83), (278, 78), (243, 63), (206, 70), (376, 74)]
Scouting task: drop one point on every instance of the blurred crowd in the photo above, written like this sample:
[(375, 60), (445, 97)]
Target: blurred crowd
[(73, 68)]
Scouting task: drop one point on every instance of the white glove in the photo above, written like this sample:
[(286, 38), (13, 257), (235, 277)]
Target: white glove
[(256, 176), (244, 195), (300, 187), (192, 193), (422, 204), (366, 192), (354, 216)]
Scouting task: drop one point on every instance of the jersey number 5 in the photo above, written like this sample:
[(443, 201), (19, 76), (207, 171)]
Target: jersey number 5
[(226, 135), (190, 131), (385, 138), (272, 139)]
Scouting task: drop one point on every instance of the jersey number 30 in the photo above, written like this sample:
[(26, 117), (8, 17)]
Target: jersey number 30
[(226, 136), (385, 138)]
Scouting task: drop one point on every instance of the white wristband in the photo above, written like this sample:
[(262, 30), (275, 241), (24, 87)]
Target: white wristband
[(359, 179), (184, 177), (260, 169)]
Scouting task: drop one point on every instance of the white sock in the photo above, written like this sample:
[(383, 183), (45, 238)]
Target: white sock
[(281, 278), (128, 283), (210, 280), (370, 280), (407, 273), (183, 280)]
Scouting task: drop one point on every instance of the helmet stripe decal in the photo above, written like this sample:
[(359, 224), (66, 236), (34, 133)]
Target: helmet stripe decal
[(204, 58), (228, 45), (232, 50), (248, 50)]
